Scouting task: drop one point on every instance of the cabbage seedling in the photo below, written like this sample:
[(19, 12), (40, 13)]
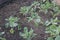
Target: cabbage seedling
[(28, 35), (12, 22)]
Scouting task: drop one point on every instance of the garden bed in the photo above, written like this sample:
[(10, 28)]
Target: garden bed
[(13, 9)]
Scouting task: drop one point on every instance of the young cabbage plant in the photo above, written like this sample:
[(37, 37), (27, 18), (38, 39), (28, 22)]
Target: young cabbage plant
[(28, 35), (53, 28), (28, 9), (36, 18), (56, 11), (24, 10), (54, 32), (45, 5), (12, 21), (52, 21)]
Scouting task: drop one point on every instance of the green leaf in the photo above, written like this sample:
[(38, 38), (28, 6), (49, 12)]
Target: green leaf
[(47, 23), (2, 38), (50, 38), (1, 33), (57, 38), (19, 27)]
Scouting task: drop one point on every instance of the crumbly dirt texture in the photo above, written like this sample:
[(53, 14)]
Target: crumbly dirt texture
[(13, 9)]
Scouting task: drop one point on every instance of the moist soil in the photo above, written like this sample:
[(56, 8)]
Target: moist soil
[(12, 9)]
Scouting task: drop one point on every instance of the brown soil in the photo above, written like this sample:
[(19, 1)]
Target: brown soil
[(12, 9)]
